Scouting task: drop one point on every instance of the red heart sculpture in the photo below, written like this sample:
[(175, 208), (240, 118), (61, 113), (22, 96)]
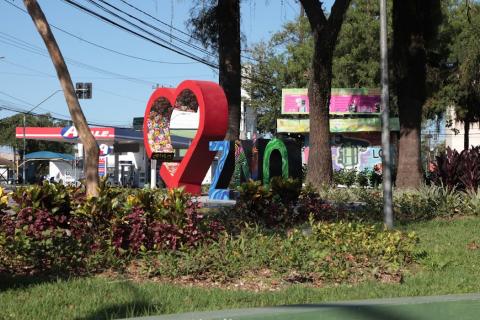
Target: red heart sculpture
[(213, 108)]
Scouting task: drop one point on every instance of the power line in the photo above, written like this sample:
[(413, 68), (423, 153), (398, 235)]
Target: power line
[(52, 76), (158, 20), (187, 54), (26, 74), (182, 52), (101, 46), (23, 45), (154, 41), (119, 95), (19, 107), (18, 99), (28, 103), (79, 64), (169, 34), (190, 36), (172, 46), (24, 111), (25, 67)]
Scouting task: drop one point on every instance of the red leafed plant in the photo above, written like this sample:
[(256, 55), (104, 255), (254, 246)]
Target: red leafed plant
[(458, 170)]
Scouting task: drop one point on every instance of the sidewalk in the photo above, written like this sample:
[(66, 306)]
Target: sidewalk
[(465, 307)]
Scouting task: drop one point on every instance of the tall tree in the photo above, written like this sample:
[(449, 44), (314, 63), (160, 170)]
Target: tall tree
[(462, 86), (8, 137), (356, 60), (325, 33), (285, 60), (415, 25), (217, 25), (86, 136)]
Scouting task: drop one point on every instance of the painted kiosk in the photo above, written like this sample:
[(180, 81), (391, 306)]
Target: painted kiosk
[(355, 126)]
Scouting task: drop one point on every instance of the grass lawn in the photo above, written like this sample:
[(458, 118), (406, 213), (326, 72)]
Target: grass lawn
[(451, 264)]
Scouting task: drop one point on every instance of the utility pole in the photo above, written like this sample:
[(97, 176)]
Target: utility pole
[(387, 157), (24, 136)]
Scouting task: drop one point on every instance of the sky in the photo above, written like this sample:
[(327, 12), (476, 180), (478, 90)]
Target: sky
[(121, 84)]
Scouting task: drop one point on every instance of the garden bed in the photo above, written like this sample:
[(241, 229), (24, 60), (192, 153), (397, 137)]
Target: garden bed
[(447, 264), (274, 236)]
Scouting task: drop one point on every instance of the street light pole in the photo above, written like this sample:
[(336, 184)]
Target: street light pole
[(24, 128), (387, 157), (24, 147)]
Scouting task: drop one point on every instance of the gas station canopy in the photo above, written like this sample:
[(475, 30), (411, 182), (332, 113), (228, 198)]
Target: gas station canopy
[(103, 135), (70, 134)]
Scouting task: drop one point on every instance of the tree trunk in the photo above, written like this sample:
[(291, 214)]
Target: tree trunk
[(228, 12), (413, 25), (466, 137), (409, 173), (325, 32), (320, 155), (86, 136)]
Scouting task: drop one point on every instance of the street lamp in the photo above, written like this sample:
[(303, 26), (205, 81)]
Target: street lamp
[(387, 157), (24, 138)]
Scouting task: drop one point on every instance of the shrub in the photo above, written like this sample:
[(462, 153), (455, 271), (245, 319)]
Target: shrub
[(37, 240), (280, 205), (54, 228), (311, 205), (472, 202), (321, 252), (375, 178), (287, 190), (458, 170), (424, 203), (344, 177), (175, 221), (372, 204), (52, 197), (362, 178), (427, 203), (256, 204), (3, 200)]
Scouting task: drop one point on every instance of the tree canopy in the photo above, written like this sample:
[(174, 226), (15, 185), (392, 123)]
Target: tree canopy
[(7, 133), (463, 85), (285, 60), (457, 78)]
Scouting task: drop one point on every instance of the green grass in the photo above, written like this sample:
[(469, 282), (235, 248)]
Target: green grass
[(448, 266)]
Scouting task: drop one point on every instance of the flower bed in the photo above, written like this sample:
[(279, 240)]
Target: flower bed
[(282, 233)]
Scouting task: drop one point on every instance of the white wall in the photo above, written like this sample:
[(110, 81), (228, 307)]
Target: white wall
[(62, 170), (456, 141), (184, 120)]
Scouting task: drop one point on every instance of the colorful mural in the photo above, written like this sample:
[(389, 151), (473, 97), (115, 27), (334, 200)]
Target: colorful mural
[(355, 157), (295, 101), (158, 127), (342, 100), (354, 151), (337, 125)]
